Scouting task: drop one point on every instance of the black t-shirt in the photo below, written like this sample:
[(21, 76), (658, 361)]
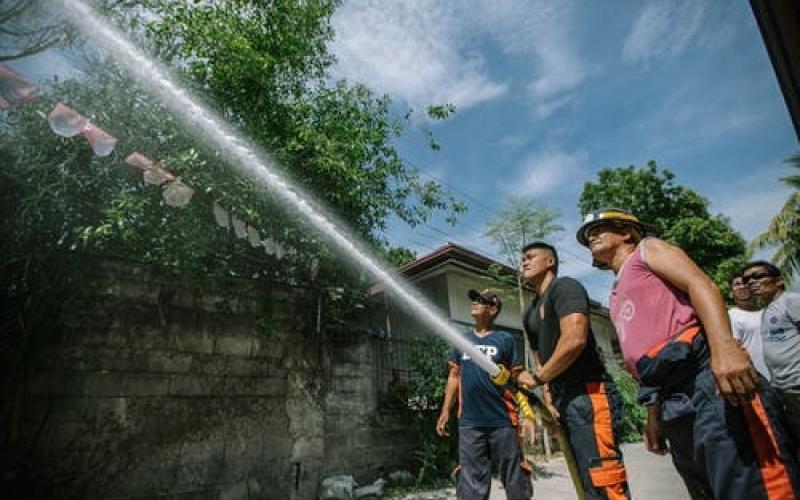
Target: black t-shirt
[(564, 296)]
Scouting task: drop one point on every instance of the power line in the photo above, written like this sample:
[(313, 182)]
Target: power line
[(451, 187), (488, 210)]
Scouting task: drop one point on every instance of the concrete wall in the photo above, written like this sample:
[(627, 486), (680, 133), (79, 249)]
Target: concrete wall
[(156, 389), (363, 437)]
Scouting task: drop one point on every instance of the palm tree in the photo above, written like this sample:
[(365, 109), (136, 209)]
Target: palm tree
[(784, 229)]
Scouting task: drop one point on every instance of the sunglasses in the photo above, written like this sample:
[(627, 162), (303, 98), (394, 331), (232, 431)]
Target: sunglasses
[(756, 277)]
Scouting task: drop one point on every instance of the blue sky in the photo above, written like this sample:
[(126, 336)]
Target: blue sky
[(550, 92)]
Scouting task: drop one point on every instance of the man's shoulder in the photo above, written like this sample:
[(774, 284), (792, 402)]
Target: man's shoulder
[(567, 282), (792, 296), (566, 286), (744, 315), (789, 301), (502, 334)]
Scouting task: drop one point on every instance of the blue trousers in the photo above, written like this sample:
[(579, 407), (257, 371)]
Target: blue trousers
[(721, 451), (477, 448), (592, 418)]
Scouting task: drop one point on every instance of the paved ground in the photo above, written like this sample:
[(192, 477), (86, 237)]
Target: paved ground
[(651, 477)]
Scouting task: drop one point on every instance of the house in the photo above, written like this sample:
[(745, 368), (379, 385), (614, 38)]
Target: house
[(445, 276)]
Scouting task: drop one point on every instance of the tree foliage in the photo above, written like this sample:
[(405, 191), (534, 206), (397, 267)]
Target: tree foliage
[(399, 256), (783, 230), (678, 214), (635, 415), (436, 456), (525, 220), (263, 64)]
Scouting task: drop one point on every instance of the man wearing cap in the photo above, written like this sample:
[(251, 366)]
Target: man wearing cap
[(724, 426), (780, 333), (487, 415), (576, 387)]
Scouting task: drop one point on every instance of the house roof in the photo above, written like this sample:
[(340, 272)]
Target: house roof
[(450, 252)]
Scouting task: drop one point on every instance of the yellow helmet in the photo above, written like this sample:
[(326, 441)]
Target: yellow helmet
[(615, 216)]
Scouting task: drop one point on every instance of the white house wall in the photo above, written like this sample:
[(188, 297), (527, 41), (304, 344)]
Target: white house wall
[(459, 282)]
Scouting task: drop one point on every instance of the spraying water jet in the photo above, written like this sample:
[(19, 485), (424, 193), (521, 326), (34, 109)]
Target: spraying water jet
[(259, 166)]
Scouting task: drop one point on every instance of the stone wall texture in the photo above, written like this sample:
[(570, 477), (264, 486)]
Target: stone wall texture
[(151, 388)]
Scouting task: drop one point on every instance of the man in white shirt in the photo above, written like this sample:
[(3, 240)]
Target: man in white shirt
[(745, 318), (780, 333)]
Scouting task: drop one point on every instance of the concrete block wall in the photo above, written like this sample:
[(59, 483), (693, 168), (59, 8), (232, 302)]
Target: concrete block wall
[(153, 389), (361, 438)]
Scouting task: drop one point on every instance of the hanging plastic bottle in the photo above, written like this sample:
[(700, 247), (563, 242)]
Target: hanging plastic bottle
[(15, 90), (102, 142), (177, 194), (65, 121)]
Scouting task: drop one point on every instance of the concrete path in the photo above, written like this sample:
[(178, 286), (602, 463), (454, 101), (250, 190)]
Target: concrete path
[(651, 477)]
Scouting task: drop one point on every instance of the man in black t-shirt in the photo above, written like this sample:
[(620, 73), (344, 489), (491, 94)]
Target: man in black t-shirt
[(574, 382)]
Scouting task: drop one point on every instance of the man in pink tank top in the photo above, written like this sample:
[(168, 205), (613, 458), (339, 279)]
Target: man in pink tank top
[(723, 424)]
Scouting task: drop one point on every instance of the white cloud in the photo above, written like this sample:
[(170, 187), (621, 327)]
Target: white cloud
[(751, 201), (664, 29), (545, 171), (544, 31), (414, 51), (427, 51)]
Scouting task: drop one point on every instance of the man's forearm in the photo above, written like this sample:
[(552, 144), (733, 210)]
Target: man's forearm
[(450, 392), (560, 361), (574, 335)]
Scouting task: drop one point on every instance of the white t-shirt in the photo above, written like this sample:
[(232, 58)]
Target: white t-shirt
[(780, 330), (746, 327)]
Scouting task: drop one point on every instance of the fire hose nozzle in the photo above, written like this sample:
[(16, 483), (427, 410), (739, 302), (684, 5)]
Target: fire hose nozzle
[(503, 377)]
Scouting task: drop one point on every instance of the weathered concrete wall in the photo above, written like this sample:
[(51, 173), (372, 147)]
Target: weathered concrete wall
[(362, 439), (153, 389)]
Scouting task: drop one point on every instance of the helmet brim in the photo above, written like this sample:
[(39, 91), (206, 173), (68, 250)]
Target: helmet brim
[(642, 228)]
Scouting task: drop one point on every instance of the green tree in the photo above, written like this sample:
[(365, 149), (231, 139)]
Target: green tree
[(783, 230), (678, 214), (263, 65), (436, 456), (400, 256), (525, 220), (635, 415)]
